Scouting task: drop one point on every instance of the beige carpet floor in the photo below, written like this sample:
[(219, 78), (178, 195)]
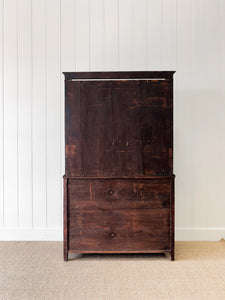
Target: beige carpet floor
[(36, 270)]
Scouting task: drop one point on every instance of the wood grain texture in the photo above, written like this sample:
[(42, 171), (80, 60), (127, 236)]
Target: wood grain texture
[(172, 220), (116, 128), (119, 230), (119, 75), (118, 194), (119, 162), (65, 221)]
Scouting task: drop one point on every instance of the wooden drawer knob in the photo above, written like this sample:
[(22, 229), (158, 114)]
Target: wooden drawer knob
[(111, 192), (112, 234)]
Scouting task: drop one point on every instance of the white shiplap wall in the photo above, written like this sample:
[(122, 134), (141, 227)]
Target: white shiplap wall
[(42, 38)]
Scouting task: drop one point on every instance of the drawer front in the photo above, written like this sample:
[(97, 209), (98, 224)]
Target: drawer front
[(119, 230), (118, 193)]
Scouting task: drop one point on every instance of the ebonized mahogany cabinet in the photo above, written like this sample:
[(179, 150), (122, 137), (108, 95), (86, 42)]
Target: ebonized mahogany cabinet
[(119, 182)]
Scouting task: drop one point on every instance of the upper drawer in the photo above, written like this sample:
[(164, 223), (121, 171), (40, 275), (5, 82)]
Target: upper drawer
[(118, 193)]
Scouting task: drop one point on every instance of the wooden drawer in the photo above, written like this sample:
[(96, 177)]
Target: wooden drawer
[(118, 193), (119, 230)]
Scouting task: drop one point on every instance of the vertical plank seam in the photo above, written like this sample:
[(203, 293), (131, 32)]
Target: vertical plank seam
[(149, 32), (162, 58), (205, 106), (146, 35), (103, 8), (220, 57), (177, 86), (60, 109), (191, 113), (32, 153), (176, 38), (118, 34), (3, 119), (175, 109), (221, 44), (89, 35), (46, 120), (75, 23), (17, 112), (132, 34)]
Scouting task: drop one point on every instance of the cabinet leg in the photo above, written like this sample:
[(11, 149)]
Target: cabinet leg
[(172, 255), (65, 255)]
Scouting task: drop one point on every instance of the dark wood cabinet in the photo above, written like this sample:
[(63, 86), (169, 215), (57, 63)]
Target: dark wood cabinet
[(119, 181)]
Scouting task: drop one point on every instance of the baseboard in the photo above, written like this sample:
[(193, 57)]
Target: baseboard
[(30, 234), (199, 234), (56, 234)]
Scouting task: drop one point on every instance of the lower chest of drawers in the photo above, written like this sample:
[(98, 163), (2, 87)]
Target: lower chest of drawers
[(118, 215)]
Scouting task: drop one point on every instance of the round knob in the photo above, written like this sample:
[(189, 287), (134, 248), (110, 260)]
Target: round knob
[(111, 192), (112, 234), (164, 203)]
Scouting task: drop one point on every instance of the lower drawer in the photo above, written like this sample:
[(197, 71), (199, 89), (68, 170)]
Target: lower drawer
[(119, 230)]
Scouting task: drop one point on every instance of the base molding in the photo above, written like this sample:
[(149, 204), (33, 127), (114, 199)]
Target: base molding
[(56, 234), (199, 234), (31, 234)]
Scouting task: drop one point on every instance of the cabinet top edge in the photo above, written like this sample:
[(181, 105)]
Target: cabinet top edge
[(120, 75), (120, 177)]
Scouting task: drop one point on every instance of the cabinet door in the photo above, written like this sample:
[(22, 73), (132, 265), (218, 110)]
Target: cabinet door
[(119, 127)]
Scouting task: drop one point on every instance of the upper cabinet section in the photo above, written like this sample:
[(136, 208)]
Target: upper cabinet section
[(119, 124)]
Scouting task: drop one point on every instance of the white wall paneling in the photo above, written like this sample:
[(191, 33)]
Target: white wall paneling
[(97, 35), (53, 113), (1, 118), (42, 38), (10, 96), (154, 30), (125, 14), (39, 113), (82, 33), (185, 112), (214, 111), (111, 35), (140, 35), (24, 137)]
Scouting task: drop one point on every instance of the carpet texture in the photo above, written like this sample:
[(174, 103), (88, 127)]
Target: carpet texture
[(36, 270)]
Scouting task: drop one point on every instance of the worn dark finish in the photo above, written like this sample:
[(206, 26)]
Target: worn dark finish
[(119, 182), (118, 194), (121, 229), (118, 128), (65, 224), (172, 220), (119, 75)]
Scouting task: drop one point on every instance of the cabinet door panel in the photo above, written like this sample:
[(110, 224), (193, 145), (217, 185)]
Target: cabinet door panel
[(119, 128)]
